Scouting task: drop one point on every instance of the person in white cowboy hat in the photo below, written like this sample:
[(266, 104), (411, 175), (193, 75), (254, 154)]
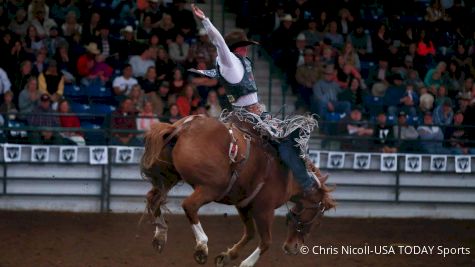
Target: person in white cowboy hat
[(234, 70), (86, 62)]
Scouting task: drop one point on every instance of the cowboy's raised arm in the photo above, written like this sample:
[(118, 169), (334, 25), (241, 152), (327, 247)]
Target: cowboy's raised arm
[(230, 66)]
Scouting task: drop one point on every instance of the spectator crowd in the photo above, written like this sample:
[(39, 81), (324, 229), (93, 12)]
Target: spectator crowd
[(121, 62), (382, 75), (386, 75)]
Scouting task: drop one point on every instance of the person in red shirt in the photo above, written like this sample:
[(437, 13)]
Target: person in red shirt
[(86, 62), (70, 120), (188, 101)]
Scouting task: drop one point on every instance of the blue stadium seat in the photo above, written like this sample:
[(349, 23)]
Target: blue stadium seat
[(100, 112), (79, 108), (99, 94), (75, 93), (374, 105), (93, 137)]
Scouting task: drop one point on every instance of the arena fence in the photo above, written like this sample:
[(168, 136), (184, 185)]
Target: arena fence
[(103, 178)]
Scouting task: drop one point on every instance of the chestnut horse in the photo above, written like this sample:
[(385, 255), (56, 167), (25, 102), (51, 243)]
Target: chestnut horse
[(196, 150)]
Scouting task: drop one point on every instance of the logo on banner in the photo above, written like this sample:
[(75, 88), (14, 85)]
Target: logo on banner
[(463, 164), (39, 154), (124, 155), (11, 153), (335, 160), (388, 162), (362, 161), (314, 156), (68, 154), (413, 163), (438, 163), (98, 155)]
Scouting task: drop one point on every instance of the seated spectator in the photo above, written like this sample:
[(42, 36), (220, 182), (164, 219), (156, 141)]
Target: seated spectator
[(8, 106), (325, 93), (282, 39), (435, 76), (380, 72), (178, 82), (146, 118), (122, 85), (36, 5), (311, 33), (71, 26), (32, 43), (89, 29), (361, 41), (124, 119), (145, 29), (306, 76), (458, 136), (100, 73), (178, 50), (345, 73), (150, 85), (173, 114), (440, 95), (54, 41), (426, 101), (383, 135), (213, 107), (455, 78), (137, 97), (406, 135), (61, 8), (464, 101), (44, 117), (413, 78), (108, 45), (356, 129), (381, 41), (5, 84), (332, 34), (394, 95), (19, 24), (140, 63), (29, 96), (164, 65), (350, 56), (431, 136), (66, 65), (165, 98), (407, 103), (42, 23), (22, 76), (51, 82), (87, 61), (443, 114), (354, 94), (188, 101), (69, 120), (166, 29)]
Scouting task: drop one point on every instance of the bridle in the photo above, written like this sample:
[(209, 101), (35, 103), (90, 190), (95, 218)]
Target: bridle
[(301, 227)]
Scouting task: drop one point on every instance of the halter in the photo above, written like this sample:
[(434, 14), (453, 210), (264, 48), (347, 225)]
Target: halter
[(301, 227)]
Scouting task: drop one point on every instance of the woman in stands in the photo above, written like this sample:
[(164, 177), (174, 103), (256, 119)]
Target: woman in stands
[(68, 120)]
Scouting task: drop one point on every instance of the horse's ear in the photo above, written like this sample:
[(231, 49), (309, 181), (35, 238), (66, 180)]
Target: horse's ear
[(323, 178)]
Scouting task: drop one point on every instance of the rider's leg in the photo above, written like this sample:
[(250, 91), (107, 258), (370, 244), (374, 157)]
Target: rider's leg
[(289, 153)]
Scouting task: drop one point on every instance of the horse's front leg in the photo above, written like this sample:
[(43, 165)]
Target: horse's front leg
[(191, 205), (249, 232), (264, 219)]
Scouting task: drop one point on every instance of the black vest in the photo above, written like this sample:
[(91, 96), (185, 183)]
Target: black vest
[(246, 86)]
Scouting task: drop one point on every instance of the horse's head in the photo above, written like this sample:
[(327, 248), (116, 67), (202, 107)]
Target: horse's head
[(305, 215)]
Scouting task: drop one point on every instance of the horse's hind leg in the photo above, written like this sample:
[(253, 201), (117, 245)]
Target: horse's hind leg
[(249, 232), (191, 205), (154, 202)]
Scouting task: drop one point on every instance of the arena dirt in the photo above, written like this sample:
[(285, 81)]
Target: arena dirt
[(74, 239)]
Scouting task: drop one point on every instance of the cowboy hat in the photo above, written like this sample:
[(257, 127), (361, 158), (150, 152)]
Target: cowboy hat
[(92, 48), (128, 28), (287, 17), (238, 38)]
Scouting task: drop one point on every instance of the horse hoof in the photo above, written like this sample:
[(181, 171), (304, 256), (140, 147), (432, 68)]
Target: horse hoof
[(221, 260), (158, 244), (201, 257)]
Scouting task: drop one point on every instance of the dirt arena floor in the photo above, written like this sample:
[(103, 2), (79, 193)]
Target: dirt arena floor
[(68, 239)]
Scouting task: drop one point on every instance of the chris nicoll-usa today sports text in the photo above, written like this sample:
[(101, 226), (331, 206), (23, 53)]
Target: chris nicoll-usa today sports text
[(388, 250)]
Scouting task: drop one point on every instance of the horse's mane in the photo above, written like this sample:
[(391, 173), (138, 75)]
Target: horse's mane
[(327, 199)]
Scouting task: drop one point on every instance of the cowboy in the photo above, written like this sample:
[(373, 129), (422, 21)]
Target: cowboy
[(234, 70)]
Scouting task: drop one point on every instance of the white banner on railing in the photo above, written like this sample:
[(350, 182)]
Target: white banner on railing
[(336, 160), (39, 154), (413, 163), (463, 164), (68, 154), (98, 155), (438, 163), (388, 162), (362, 161), (314, 156), (124, 154), (11, 152)]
